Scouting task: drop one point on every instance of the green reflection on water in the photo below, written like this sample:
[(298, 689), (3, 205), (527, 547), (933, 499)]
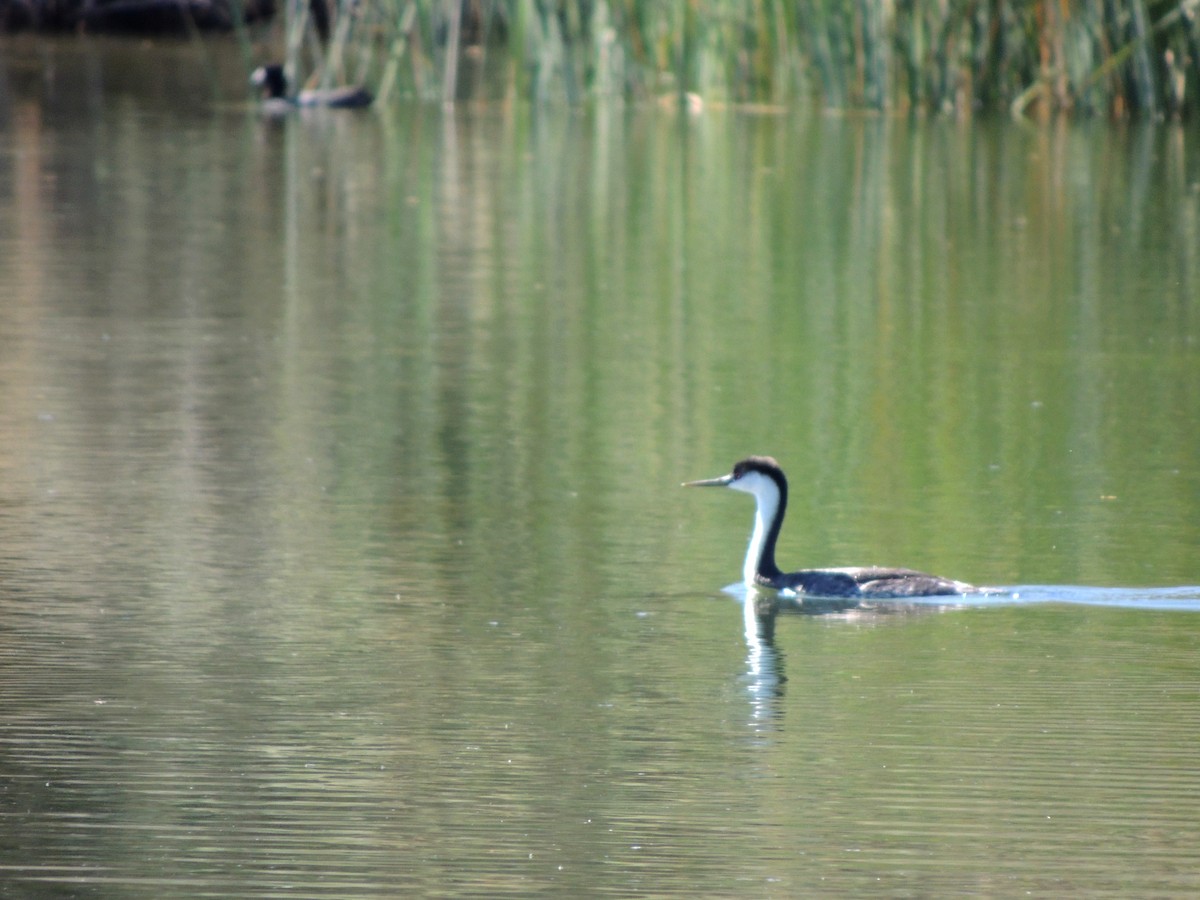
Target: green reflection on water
[(975, 347), (342, 537)]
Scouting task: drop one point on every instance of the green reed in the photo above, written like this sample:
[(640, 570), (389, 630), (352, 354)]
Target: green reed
[(1027, 56)]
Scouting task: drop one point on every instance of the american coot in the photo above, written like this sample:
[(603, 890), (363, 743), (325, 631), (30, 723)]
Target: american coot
[(273, 83), (762, 477)]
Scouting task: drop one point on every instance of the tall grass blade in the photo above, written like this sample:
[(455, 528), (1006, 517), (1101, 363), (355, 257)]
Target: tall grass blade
[(941, 56)]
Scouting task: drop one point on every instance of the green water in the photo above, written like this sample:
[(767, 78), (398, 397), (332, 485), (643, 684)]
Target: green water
[(342, 551)]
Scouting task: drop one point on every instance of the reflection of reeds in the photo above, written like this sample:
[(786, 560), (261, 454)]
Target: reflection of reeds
[(1113, 56)]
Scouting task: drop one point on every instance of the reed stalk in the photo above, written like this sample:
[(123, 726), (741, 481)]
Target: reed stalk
[(450, 61), (958, 56), (400, 39)]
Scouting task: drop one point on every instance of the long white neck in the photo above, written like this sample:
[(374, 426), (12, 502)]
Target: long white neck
[(766, 496), (757, 538)]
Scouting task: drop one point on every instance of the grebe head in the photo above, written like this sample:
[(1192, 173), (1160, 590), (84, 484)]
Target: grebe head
[(762, 477), (271, 80), (757, 475)]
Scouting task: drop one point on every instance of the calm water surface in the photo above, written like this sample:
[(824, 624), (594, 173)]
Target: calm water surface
[(341, 545)]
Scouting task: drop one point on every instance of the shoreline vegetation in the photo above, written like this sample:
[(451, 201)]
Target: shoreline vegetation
[(1115, 58)]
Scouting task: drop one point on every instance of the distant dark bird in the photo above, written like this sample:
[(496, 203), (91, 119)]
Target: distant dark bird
[(762, 477), (273, 83)]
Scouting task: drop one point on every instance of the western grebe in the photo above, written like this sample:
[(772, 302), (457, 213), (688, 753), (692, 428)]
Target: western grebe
[(762, 477), (273, 83)]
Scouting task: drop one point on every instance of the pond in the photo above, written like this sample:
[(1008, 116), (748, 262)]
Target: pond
[(342, 548)]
